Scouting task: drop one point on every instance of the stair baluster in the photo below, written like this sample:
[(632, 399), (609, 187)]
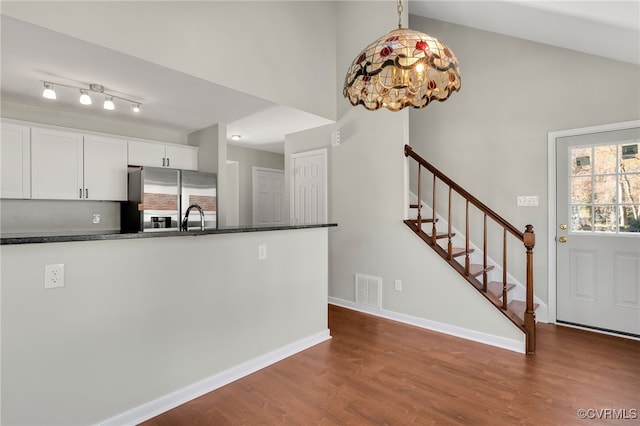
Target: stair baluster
[(484, 260), (467, 263), (434, 231), (504, 269), (449, 233), (419, 200)]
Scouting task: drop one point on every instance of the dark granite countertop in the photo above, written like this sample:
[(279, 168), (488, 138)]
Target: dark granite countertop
[(68, 236)]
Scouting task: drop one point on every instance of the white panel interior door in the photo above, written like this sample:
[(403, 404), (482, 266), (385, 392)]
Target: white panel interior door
[(309, 187), (268, 196), (233, 193), (598, 235)]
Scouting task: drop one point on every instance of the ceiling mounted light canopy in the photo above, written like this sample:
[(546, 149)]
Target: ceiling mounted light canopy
[(85, 99), (402, 68)]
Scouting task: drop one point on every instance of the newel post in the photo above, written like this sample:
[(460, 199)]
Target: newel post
[(529, 314)]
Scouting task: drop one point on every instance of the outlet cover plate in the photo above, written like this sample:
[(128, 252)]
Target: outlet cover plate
[(54, 275)]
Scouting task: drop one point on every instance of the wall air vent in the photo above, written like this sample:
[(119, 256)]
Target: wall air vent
[(369, 290)]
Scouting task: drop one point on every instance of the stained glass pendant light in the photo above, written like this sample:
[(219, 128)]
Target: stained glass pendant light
[(402, 68)]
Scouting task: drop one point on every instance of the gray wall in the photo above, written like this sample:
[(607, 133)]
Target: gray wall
[(139, 319), (367, 199), (291, 43), (491, 137), (247, 159)]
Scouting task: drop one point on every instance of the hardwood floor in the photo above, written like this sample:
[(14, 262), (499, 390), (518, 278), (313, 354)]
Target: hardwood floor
[(379, 372)]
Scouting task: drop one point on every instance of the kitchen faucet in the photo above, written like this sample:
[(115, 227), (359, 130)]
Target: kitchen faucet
[(185, 221)]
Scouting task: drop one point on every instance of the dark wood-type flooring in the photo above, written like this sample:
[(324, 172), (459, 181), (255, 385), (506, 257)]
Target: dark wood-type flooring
[(380, 372)]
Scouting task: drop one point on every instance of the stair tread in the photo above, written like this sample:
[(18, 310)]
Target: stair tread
[(424, 220), (477, 269), (495, 288), (459, 251), (519, 307)]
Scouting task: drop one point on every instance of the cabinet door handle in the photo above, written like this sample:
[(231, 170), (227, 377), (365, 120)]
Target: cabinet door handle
[(86, 193), (80, 195), (167, 161), (163, 161)]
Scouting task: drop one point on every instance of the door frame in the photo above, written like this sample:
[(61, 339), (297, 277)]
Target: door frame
[(551, 195), (254, 194), (292, 178)]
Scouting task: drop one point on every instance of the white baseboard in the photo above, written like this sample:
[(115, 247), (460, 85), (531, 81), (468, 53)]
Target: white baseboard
[(476, 336), (153, 408)]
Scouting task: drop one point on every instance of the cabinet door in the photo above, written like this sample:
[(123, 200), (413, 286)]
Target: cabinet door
[(15, 161), (146, 154), (105, 168), (182, 157), (56, 164)]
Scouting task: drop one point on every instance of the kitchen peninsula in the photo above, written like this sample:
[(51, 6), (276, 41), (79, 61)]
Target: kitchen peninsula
[(146, 321)]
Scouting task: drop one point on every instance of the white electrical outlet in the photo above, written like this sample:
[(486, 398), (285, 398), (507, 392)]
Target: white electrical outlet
[(96, 218), (397, 285), (54, 275), (262, 251)]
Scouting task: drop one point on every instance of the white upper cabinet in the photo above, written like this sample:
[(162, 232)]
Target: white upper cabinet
[(163, 155), (72, 166), (182, 157), (15, 161), (105, 168), (56, 164)]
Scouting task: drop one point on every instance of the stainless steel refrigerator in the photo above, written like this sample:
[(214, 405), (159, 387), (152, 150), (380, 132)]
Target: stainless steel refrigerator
[(159, 198)]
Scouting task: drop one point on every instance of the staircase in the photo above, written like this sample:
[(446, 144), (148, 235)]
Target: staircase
[(521, 313)]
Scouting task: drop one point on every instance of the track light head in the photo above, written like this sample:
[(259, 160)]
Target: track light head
[(85, 99), (108, 103), (136, 107), (48, 92)]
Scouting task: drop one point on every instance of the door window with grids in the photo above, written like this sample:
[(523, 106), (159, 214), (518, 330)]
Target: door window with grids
[(605, 188)]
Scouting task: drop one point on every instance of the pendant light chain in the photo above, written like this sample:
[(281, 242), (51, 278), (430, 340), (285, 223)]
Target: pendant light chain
[(400, 9)]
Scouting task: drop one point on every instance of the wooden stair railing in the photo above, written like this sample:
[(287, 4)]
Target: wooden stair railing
[(469, 271)]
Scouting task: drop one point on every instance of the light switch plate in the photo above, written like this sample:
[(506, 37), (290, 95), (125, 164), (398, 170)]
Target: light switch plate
[(527, 200), (262, 251)]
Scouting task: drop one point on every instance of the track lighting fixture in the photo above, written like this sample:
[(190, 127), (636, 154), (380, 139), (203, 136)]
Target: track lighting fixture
[(48, 92), (85, 98)]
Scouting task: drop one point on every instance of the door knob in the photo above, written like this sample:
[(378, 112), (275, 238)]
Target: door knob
[(563, 226), (562, 239)]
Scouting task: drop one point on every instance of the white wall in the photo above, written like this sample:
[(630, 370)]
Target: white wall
[(138, 319), (276, 50), (51, 116), (491, 137), (247, 159)]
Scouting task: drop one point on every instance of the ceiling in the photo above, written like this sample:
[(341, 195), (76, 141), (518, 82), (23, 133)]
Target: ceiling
[(605, 28), (185, 103)]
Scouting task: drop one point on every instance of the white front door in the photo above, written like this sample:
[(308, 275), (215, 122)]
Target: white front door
[(309, 187), (598, 230), (268, 196)]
